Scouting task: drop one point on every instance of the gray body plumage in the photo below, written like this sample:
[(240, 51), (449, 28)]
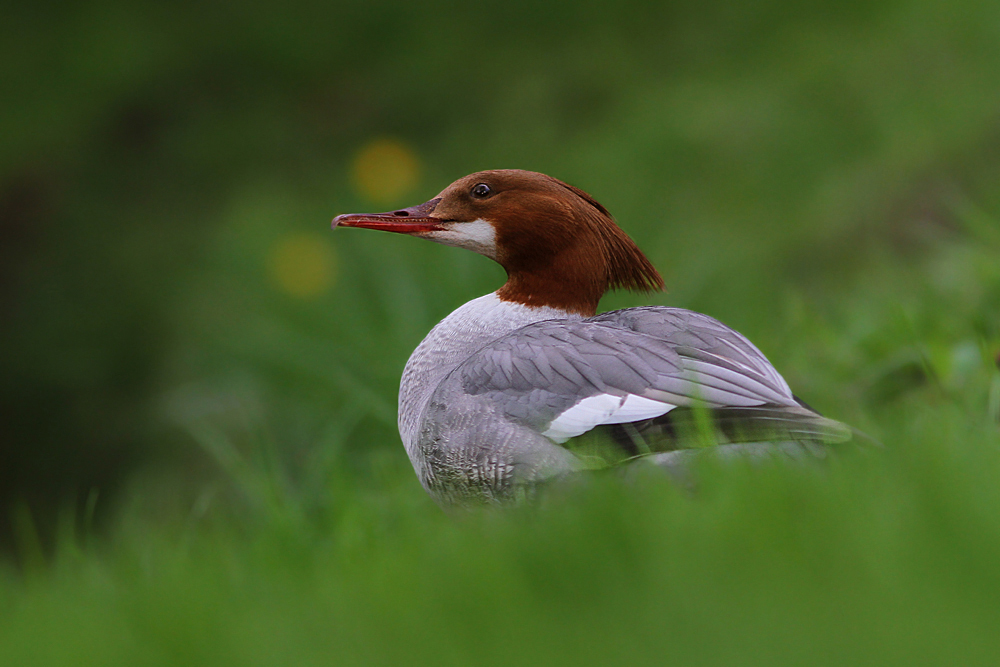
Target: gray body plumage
[(490, 397)]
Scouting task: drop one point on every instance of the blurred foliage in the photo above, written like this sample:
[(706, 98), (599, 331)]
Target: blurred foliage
[(198, 454)]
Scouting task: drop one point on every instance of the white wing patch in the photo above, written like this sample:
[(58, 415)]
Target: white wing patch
[(603, 409)]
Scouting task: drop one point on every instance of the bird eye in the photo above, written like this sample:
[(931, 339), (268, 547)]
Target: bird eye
[(481, 191)]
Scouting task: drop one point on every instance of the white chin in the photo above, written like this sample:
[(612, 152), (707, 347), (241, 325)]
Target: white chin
[(477, 236)]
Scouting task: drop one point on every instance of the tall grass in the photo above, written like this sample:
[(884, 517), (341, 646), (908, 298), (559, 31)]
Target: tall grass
[(884, 557), (874, 556)]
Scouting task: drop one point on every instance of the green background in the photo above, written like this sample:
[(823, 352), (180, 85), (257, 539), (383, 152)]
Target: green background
[(198, 454)]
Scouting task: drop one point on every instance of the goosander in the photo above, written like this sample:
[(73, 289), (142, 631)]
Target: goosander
[(528, 382)]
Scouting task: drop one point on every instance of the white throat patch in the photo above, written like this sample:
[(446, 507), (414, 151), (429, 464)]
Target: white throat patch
[(479, 236)]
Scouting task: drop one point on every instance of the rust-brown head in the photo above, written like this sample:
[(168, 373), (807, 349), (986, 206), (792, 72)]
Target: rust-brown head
[(560, 247)]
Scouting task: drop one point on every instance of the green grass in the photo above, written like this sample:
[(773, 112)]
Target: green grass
[(884, 557), (823, 180), (876, 556)]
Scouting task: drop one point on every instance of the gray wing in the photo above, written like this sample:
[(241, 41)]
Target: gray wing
[(565, 377), (699, 337)]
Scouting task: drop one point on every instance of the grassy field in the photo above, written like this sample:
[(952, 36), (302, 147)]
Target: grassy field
[(201, 465)]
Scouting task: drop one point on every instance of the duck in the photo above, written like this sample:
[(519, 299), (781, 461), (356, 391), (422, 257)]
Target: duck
[(529, 383)]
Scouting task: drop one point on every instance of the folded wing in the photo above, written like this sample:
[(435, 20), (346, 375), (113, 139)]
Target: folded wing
[(564, 378)]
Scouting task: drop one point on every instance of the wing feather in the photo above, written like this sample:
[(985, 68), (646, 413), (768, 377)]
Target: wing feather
[(565, 377)]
